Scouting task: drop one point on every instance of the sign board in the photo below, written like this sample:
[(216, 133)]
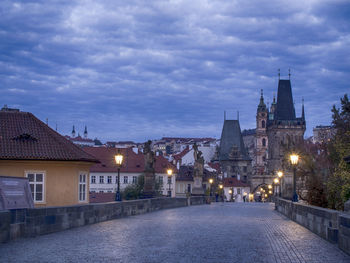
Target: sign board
[(15, 193)]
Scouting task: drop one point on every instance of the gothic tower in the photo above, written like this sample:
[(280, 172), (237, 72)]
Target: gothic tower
[(261, 139), (284, 129), (233, 156)]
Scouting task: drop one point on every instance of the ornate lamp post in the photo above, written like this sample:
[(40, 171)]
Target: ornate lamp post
[(294, 158), (276, 181), (211, 180), (280, 175), (220, 191), (118, 160), (169, 172)]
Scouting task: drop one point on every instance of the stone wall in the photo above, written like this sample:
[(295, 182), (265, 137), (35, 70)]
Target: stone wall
[(331, 225), (39, 221)]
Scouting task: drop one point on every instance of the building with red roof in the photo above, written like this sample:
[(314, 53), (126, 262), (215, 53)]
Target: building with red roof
[(235, 189), (103, 175), (57, 169)]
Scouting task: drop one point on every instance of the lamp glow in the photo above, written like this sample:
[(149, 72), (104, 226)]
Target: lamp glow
[(118, 159), (280, 174), (294, 158), (169, 172), (211, 180)]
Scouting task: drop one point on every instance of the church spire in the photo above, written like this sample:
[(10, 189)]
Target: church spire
[(303, 111), (73, 132), (262, 105), (85, 132)]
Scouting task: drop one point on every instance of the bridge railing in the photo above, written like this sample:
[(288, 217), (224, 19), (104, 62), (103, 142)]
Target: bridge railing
[(18, 223), (331, 225)]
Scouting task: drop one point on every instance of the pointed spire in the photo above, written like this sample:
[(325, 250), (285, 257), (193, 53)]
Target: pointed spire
[(56, 126), (274, 98), (85, 132), (262, 105), (73, 132), (289, 73), (224, 115), (279, 74), (303, 110), (238, 115)]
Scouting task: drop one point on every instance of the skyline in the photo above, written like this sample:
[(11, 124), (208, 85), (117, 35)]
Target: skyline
[(136, 71)]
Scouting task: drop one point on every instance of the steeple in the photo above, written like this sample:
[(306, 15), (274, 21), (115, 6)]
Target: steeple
[(303, 111), (285, 107), (262, 105), (85, 132), (73, 132), (231, 136)]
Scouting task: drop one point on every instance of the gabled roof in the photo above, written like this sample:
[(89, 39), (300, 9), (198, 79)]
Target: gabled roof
[(179, 156), (233, 182), (132, 162), (231, 137), (285, 105), (24, 137)]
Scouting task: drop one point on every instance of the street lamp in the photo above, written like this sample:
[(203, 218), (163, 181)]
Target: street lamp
[(118, 160), (280, 175), (169, 172), (211, 180), (294, 158), (276, 183), (231, 193)]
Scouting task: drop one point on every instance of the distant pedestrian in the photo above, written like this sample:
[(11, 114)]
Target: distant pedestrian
[(244, 197)]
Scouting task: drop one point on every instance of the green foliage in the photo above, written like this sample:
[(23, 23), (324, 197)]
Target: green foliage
[(339, 183), (135, 191)]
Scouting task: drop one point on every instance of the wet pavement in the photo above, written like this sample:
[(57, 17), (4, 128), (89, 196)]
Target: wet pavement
[(220, 232)]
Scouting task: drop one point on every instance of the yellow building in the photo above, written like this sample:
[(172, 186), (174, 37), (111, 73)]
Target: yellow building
[(58, 170)]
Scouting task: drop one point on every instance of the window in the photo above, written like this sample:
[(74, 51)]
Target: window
[(263, 124), (264, 142), (161, 180), (102, 179), (109, 179), (93, 179), (169, 180), (36, 183), (134, 179), (82, 187), (125, 179)]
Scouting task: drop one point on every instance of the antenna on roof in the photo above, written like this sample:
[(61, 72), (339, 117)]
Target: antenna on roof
[(279, 73), (224, 115), (289, 73), (47, 121), (56, 126), (238, 115)]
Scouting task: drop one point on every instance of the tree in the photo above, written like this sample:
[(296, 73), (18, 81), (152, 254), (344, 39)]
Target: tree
[(338, 185), (135, 191)]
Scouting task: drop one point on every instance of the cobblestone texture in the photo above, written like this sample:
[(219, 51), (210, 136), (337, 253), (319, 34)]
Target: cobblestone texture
[(230, 232)]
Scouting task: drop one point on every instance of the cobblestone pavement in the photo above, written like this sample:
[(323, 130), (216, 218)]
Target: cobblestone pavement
[(230, 232)]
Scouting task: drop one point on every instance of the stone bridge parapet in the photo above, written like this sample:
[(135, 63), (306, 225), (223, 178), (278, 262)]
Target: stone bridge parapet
[(331, 225), (18, 223)]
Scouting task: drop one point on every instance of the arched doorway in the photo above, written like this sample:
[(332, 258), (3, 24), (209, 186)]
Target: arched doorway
[(262, 192)]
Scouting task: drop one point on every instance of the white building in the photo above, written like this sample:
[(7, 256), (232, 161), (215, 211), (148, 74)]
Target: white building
[(104, 175), (235, 190)]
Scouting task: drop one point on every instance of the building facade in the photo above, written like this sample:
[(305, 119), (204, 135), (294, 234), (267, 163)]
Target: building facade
[(58, 170)]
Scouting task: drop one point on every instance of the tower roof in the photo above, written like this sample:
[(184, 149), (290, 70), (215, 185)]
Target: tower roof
[(231, 137), (285, 106), (262, 105)]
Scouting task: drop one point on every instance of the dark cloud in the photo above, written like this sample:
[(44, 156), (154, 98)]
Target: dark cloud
[(136, 70)]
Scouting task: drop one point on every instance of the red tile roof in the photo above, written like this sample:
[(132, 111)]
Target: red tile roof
[(24, 137), (132, 162), (179, 156), (215, 166), (233, 182)]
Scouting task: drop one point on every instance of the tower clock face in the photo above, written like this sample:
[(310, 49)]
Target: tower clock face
[(263, 114)]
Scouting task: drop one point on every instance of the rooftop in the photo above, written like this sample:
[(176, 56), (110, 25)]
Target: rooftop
[(24, 137)]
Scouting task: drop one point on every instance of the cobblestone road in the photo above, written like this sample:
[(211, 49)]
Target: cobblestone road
[(230, 232)]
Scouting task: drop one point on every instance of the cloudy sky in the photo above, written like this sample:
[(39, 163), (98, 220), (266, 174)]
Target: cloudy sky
[(137, 70)]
